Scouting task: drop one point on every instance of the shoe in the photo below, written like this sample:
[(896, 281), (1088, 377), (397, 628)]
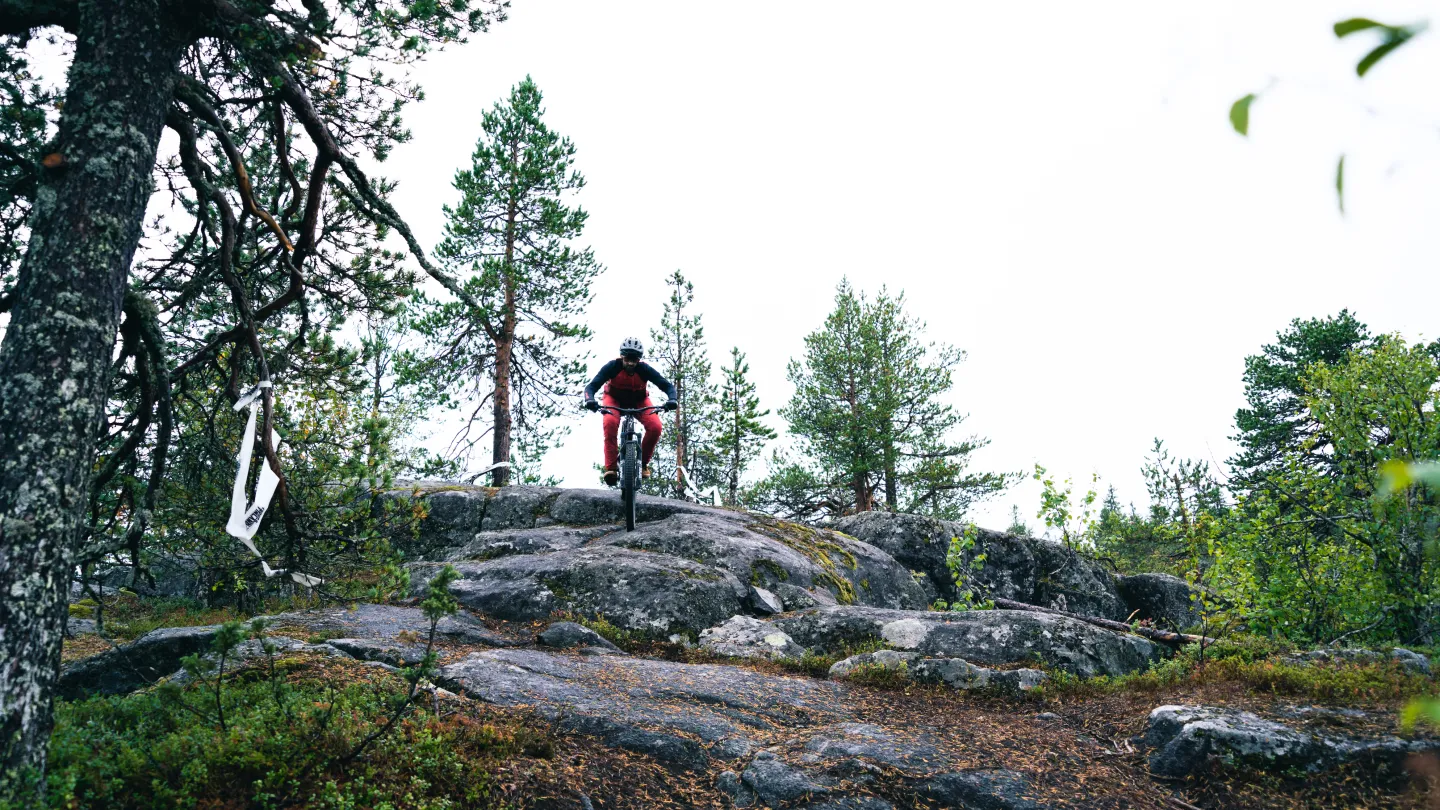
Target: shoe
[(645, 473), (612, 476)]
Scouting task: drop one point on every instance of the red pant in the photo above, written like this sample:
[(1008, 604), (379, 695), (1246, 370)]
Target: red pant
[(651, 423)]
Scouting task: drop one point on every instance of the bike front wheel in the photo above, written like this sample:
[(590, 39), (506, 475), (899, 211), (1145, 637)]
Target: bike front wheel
[(627, 500), (629, 481)]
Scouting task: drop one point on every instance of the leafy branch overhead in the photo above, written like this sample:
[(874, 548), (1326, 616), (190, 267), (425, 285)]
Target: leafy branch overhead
[(1391, 38)]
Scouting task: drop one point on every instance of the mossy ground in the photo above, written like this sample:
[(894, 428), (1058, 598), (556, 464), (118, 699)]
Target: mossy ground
[(138, 751), (147, 750), (824, 552), (127, 616)]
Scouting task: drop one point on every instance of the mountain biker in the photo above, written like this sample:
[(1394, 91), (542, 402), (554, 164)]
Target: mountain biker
[(624, 379)]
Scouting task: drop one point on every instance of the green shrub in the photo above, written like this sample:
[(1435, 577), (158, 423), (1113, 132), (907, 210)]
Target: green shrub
[(818, 664), (276, 737), (880, 676), (148, 751), (1238, 647)]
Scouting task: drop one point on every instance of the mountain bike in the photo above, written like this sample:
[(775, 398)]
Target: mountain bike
[(629, 457)]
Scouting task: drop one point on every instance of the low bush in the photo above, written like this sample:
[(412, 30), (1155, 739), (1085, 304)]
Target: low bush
[(150, 750), (880, 676), (286, 731), (128, 616), (1258, 663), (818, 664)]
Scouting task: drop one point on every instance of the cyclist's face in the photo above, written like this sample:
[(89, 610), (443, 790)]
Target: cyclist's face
[(630, 362)]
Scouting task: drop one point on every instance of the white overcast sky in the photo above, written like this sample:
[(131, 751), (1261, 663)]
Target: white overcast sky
[(1055, 187)]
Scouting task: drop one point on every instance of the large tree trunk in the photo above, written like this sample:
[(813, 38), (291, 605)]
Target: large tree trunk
[(682, 437), (892, 494), (505, 350), (55, 359), (504, 353), (735, 456), (860, 484)]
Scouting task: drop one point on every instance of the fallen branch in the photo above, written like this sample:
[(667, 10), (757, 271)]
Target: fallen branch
[(1154, 635)]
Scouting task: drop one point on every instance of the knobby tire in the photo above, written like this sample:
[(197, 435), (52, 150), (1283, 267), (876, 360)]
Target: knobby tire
[(629, 474), (627, 496)]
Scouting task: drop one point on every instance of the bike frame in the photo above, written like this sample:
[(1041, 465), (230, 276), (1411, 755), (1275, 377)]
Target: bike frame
[(629, 457)]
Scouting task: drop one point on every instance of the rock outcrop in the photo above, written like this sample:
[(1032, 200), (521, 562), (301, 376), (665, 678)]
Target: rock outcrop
[(384, 633), (748, 637), (652, 593), (957, 673), (166, 576), (1165, 600), (745, 586), (1408, 660), (1025, 569), (1183, 739), (564, 635), (983, 636), (526, 552), (128, 667), (782, 741)]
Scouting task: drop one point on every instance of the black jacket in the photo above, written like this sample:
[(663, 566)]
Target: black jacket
[(647, 373)]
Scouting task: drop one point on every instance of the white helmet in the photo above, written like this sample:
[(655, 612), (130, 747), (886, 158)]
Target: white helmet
[(633, 346)]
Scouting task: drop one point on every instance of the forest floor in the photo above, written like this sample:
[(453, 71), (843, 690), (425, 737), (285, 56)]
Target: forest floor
[(1076, 741)]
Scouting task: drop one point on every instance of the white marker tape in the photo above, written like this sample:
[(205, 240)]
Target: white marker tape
[(251, 395), (496, 466), (245, 517), (696, 493)]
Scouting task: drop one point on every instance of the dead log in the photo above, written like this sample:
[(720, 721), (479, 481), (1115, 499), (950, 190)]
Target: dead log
[(1165, 636)]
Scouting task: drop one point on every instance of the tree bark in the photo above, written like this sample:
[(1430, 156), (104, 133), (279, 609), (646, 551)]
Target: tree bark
[(504, 353), (55, 358), (892, 494), (504, 350), (735, 457), (682, 438)]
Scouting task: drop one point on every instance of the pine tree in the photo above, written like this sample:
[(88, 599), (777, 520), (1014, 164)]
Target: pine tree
[(869, 411), (830, 413), (923, 468), (742, 434), (1276, 424), (1017, 523), (512, 230), (677, 350)]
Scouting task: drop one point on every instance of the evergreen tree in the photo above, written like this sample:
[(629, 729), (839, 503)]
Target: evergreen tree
[(830, 413), (1322, 552), (512, 231), (869, 408), (677, 350), (795, 488), (742, 434), (1276, 425), (1017, 523), (24, 102), (924, 471)]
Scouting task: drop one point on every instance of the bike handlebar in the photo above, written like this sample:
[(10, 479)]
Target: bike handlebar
[(632, 411)]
